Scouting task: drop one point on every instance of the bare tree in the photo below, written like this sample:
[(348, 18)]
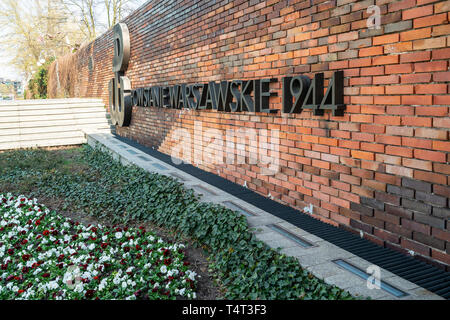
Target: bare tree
[(93, 12), (34, 35), (36, 30)]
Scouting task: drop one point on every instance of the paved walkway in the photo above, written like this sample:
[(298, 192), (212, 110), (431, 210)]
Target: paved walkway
[(320, 257)]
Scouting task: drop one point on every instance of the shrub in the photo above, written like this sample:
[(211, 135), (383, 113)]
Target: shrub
[(37, 85)]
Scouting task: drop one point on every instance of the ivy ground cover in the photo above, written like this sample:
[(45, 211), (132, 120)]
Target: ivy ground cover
[(46, 256), (89, 180)]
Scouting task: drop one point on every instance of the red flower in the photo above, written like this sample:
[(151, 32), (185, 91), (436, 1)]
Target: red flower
[(138, 247), (38, 222), (126, 249), (10, 252), (186, 263), (74, 237), (26, 257), (46, 275), (104, 245), (89, 294), (46, 232), (167, 262)]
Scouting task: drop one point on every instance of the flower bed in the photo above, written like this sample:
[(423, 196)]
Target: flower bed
[(46, 256), (90, 181)]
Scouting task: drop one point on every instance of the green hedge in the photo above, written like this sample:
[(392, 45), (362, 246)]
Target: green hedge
[(246, 267)]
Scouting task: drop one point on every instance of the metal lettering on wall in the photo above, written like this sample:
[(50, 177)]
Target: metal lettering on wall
[(299, 92), (120, 86)]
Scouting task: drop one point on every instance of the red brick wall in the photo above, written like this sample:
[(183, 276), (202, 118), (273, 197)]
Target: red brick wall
[(382, 168)]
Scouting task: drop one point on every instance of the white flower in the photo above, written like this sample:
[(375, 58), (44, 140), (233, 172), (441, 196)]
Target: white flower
[(119, 235), (163, 269)]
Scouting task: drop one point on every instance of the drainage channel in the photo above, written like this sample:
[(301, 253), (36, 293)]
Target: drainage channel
[(365, 276), (425, 275)]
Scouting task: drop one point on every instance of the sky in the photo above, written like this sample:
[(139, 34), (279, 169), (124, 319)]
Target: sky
[(7, 71)]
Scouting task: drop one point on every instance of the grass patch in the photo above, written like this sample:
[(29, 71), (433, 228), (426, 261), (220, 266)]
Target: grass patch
[(92, 182)]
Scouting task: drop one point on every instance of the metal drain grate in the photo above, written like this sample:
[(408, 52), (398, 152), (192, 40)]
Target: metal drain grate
[(299, 240), (364, 275), (158, 166), (233, 206), (178, 176), (205, 191), (144, 158)]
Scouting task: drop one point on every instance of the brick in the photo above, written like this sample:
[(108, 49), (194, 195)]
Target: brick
[(432, 111), (431, 89), (385, 235), (430, 177), (399, 211), (441, 190), (417, 12), (416, 206), (430, 66), (372, 203), (441, 145), (429, 220), (441, 234), (443, 213), (430, 155), (373, 221), (441, 168), (371, 51), (399, 68), (416, 185), (398, 26), (430, 21), (361, 226), (443, 6), (431, 198), (423, 44), (387, 198), (415, 56), (418, 164), (430, 241), (431, 133), (415, 34), (363, 155), (415, 246), (365, 210), (380, 60), (415, 226), (390, 38), (394, 228), (417, 100)]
